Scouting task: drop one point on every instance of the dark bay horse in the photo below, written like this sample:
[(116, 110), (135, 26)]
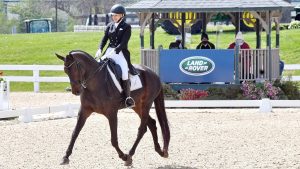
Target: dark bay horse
[(90, 80)]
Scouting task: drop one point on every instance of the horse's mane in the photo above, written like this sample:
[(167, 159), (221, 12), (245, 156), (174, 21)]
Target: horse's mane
[(88, 56)]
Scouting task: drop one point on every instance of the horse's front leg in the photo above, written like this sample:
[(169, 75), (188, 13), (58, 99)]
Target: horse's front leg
[(113, 124), (81, 119), (141, 131)]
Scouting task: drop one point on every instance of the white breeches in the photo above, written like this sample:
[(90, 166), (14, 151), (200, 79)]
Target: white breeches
[(119, 59)]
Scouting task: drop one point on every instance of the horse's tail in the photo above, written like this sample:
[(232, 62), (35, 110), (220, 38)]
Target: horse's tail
[(163, 120)]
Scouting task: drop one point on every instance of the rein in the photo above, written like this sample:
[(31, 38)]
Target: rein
[(83, 82)]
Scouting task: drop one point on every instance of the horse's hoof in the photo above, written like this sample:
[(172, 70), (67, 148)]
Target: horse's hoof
[(166, 154), (128, 162), (65, 161)]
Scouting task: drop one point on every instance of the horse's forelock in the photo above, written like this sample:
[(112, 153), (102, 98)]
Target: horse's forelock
[(69, 56), (69, 59)]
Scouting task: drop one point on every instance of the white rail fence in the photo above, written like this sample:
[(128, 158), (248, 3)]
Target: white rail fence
[(4, 95), (70, 110), (292, 67), (36, 78), (27, 114)]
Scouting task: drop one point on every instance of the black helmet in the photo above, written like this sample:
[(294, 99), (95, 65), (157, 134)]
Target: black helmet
[(204, 35), (117, 9)]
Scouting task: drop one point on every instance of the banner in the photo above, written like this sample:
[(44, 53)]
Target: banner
[(196, 66)]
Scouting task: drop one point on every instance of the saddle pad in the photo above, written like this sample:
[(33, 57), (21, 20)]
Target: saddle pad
[(134, 80)]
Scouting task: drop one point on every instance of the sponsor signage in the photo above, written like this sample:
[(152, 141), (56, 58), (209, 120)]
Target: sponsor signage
[(196, 66)]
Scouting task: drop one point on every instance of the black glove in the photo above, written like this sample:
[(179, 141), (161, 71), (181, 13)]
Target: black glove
[(118, 50)]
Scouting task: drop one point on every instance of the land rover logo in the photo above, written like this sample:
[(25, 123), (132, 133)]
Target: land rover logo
[(197, 65)]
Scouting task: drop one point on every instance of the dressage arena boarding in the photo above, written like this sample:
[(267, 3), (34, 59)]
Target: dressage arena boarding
[(200, 138)]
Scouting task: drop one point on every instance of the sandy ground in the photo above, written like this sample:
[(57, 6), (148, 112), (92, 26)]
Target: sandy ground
[(19, 100), (200, 138)]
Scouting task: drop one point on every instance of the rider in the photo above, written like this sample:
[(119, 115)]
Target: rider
[(118, 33)]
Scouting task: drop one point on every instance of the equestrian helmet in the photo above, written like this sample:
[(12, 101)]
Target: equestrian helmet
[(118, 9)]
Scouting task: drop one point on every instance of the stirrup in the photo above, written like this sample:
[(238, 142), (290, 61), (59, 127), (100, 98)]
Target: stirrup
[(129, 98)]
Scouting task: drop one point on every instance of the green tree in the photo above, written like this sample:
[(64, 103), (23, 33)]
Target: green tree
[(30, 9), (5, 24)]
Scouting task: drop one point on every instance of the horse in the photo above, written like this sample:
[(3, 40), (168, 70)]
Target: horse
[(90, 80)]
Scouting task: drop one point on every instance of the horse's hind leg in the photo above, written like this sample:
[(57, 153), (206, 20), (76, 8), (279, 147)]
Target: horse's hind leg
[(81, 119), (152, 126), (113, 124)]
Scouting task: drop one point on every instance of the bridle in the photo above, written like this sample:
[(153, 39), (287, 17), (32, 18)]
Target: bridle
[(83, 82)]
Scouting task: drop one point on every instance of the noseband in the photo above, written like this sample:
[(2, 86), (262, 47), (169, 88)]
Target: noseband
[(78, 68)]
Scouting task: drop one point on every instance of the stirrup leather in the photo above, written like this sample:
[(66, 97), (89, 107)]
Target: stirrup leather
[(128, 105)]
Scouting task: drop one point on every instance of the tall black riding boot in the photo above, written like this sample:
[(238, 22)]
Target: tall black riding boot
[(129, 102)]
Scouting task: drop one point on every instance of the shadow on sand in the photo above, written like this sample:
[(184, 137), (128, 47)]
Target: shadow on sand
[(175, 167)]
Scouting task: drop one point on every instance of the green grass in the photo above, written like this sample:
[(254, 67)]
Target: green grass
[(41, 48)]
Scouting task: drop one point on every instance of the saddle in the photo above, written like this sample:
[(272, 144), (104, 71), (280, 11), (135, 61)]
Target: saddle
[(114, 67), (117, 69), (115, 72)]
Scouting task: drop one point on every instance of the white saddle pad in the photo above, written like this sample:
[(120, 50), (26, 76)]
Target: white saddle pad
[(134, 80)]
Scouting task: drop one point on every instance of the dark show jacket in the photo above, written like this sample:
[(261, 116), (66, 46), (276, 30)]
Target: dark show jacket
[(118, 38), (175, 45), (209, 45)]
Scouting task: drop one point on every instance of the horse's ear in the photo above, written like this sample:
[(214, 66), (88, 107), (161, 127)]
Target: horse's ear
[(60, 57)]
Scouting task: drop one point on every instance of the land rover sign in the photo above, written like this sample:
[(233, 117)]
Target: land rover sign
[(197, 65)]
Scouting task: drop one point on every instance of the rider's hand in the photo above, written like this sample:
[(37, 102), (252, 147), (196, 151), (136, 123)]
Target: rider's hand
[(117, 50), (98, 53)]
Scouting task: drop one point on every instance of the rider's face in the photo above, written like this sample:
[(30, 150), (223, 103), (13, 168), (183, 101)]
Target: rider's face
[(116, 17)]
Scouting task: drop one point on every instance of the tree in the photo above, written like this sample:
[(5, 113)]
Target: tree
[(30, 9), (5, 24), (78, 10), (81, 9)]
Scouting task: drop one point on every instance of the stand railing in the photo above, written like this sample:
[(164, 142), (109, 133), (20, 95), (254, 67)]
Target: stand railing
[(255, 64), (150, 58)]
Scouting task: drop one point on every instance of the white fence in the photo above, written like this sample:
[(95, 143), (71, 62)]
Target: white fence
[(36, 78), (4, 95), (26, 115), (292, 67), (95, 28), (88, 28), (70, 110)]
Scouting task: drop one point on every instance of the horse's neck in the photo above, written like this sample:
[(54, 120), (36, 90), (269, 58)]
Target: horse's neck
[(93, 71), (88, 64)]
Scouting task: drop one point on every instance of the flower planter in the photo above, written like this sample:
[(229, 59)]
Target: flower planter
[(4, 95)]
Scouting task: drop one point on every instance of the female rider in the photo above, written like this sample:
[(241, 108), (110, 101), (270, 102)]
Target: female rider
[(118, 33)]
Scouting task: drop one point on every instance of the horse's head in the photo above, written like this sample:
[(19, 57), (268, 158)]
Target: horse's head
[(72, 69)]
